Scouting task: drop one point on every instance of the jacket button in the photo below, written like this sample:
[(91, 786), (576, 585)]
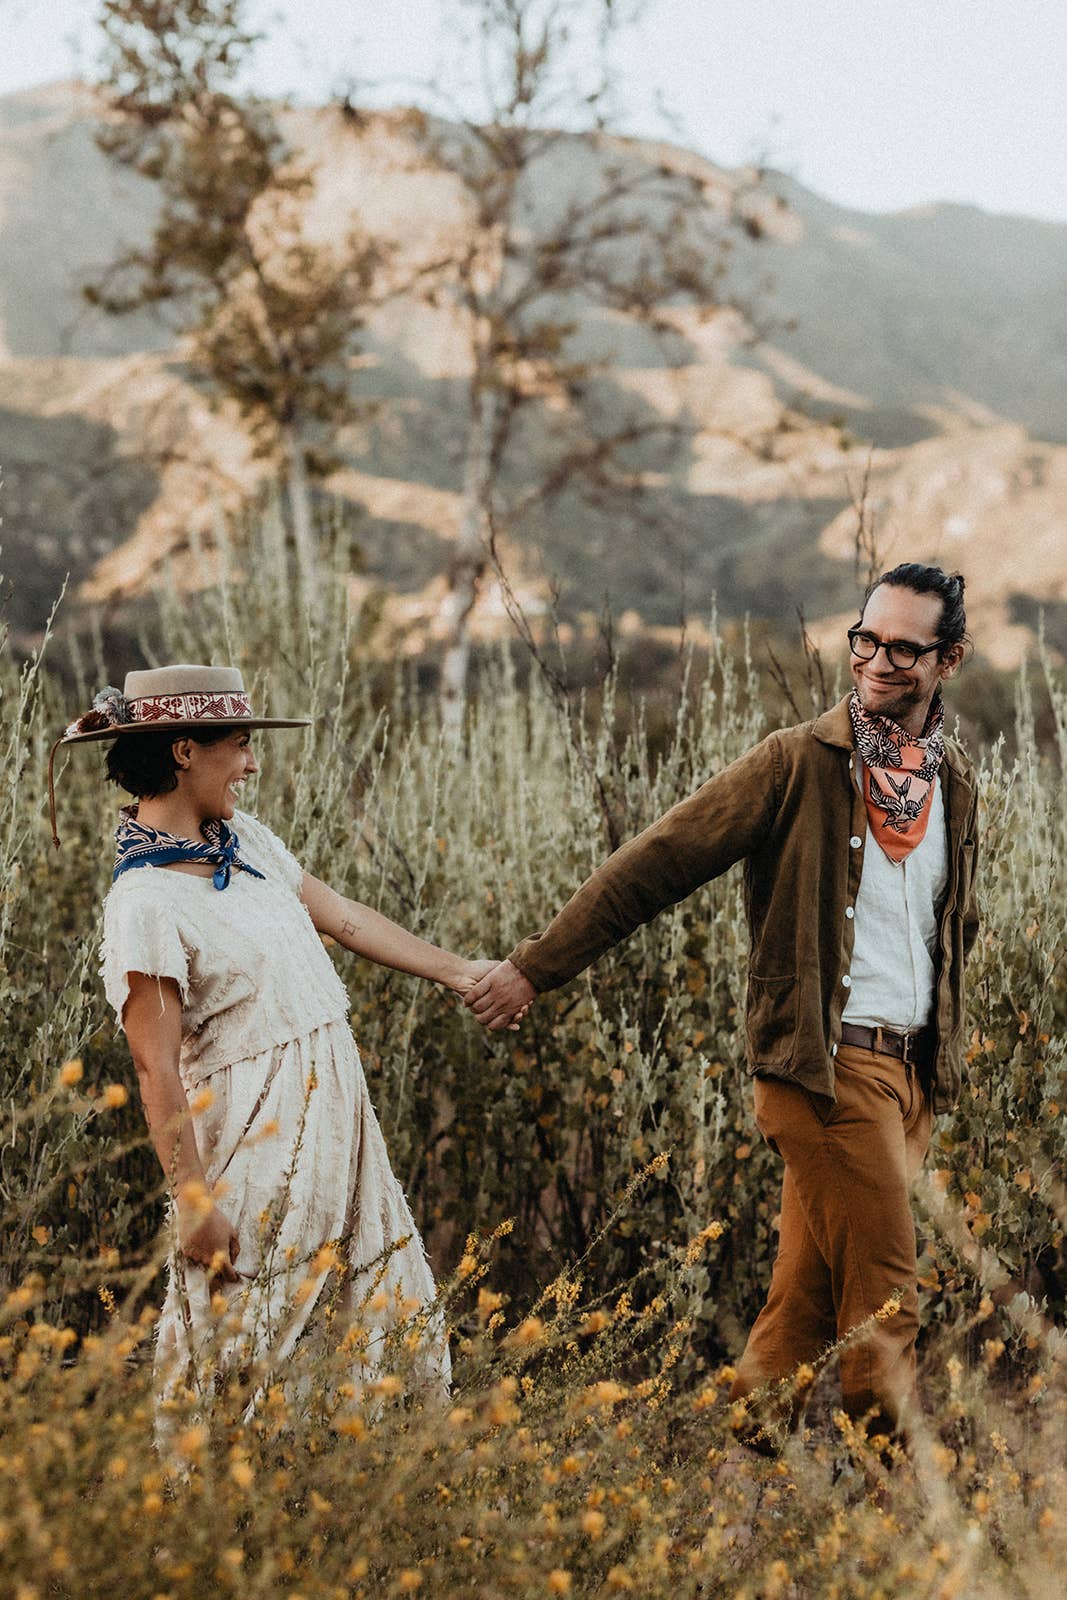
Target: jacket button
[(855, 841), (849, 913), (846, 981), (833, 1049)]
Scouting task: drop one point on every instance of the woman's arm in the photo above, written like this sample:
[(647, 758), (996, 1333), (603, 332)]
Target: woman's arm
[(152, 1022), (369, 934)]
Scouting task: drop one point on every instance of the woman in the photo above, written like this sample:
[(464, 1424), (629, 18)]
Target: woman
[(250, 1077)]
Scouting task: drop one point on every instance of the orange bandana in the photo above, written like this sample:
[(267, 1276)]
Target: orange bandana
[(899, 774)]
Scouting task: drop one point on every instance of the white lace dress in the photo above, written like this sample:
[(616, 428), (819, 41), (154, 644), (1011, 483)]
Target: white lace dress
[(288, 1132)]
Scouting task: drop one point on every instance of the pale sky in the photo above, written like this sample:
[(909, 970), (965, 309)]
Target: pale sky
[(877, 104)]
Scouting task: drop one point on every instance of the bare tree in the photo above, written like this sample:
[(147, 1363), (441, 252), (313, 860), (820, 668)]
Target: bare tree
[(268, 320), (559, 225)]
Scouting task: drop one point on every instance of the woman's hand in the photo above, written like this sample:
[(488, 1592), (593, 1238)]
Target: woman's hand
[(209, 1241), (471, 975)]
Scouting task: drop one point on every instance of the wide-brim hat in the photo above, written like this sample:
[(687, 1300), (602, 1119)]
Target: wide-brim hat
[(174, 699)]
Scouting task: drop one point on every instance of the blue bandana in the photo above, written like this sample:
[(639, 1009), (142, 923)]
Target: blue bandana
[(137, 845)]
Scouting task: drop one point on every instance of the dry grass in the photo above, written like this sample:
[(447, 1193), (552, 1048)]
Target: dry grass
[(589, 1446)]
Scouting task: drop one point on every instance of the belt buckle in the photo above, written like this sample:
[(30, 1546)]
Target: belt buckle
[(906, 1042)]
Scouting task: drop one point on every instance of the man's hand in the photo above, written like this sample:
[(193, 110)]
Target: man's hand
[(500, 997)]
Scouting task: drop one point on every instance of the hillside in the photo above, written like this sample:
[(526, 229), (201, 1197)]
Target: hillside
[(929, 334)]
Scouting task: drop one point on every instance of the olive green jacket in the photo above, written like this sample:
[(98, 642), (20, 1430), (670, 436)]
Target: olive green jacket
[(792, 811)]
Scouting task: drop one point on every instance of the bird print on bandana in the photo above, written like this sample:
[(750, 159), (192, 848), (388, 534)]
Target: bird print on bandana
[(899, 773)]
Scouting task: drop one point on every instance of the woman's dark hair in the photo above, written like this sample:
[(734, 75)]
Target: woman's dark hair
[(143, 763), (948, 586)]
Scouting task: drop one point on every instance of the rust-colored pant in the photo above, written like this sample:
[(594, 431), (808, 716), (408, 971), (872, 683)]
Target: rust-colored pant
[(847, 1238)]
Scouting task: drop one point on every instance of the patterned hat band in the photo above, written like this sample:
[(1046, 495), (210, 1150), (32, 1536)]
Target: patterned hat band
[(113, 710), (190, 708)]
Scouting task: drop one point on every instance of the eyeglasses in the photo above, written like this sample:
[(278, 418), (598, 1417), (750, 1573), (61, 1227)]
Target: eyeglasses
[(901, 653)]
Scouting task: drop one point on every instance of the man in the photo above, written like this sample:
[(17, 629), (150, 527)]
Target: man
[(858, 836)]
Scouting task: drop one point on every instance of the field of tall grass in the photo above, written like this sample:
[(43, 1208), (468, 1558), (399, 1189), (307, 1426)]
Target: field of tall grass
[(597, 1203)]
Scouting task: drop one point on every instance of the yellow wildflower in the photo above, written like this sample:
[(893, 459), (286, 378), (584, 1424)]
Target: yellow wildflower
[(502, 1408), (409, 1580), (606, 1392), (559, 1581), (488, 1302), (593, 1523), (191, 1442), (695, 1250), (71, 1072), (194, 1195), (325, 1260), (115, 1095), (352, 1427)]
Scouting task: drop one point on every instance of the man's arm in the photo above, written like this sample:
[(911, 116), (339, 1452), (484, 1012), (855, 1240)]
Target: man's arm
[(726, 819)]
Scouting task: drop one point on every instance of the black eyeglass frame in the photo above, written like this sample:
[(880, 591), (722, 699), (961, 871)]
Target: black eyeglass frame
[(916, 651)]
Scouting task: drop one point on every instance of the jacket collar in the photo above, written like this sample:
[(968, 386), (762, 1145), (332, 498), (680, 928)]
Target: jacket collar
[(834, 727)]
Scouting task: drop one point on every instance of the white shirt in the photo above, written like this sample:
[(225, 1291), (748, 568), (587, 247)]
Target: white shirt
[(896, 916)]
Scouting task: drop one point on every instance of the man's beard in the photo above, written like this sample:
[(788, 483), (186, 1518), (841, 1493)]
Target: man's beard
[(897, 702)]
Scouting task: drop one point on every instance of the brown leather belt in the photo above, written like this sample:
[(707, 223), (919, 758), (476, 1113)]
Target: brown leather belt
[(914, 1049)]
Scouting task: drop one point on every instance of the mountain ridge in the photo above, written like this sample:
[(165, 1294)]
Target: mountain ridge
[(924, 339)]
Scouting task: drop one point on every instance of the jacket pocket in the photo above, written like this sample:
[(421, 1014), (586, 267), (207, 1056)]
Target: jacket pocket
[(771, 1015), (966, 868)]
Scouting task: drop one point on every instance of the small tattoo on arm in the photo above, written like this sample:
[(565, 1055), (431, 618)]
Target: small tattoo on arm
[(348, 927)]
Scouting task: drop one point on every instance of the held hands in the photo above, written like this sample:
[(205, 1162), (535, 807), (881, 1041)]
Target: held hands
[(502, 996), (471, 982)]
